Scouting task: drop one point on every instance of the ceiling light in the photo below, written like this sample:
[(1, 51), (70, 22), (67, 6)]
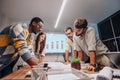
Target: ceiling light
[(60, 13)]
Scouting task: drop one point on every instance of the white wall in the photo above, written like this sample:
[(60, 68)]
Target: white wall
[(0, 21), (0, 14), (4, 21)]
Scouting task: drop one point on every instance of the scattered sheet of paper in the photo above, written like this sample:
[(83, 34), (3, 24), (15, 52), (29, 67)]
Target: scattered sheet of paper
[(116, 72), (68, 76)]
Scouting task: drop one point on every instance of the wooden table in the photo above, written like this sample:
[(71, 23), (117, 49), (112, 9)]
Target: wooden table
[(21, 73), (18, 75)]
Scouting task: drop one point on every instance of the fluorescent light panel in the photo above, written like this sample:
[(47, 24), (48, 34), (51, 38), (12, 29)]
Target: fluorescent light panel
[(60, 13)]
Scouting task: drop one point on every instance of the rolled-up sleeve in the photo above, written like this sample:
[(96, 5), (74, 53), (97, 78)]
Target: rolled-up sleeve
[(91, 39)]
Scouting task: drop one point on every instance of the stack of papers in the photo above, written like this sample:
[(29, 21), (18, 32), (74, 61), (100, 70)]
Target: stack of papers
[(60, 71), (116, 74), (68, 76)]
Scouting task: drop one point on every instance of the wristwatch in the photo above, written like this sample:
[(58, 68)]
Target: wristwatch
[(66, 60), (94, 65), (97, 68)]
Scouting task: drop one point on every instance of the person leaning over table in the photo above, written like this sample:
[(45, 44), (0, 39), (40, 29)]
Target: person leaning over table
[(40, 46), (88, 43), (69, 45), (15, 43)]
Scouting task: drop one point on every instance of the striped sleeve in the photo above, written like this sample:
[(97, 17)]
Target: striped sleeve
[(19, 35)]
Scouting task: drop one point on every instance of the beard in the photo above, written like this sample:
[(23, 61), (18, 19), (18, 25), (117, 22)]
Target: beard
[(70, 37), (78, 34), (83, 32), (34, 30)]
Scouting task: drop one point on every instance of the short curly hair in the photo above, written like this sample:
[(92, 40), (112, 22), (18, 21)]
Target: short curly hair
[(80, 23), (36, 19)]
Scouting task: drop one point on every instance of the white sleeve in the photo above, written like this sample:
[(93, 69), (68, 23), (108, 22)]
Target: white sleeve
[(67, 46), (90, 38)]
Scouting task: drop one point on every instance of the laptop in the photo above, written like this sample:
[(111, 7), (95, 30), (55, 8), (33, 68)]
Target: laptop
[(114, 57)]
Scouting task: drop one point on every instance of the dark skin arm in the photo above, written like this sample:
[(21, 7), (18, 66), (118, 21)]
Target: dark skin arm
[(32, 61)]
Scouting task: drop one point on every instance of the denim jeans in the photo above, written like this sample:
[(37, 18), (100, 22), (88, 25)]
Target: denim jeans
[(8, 69)]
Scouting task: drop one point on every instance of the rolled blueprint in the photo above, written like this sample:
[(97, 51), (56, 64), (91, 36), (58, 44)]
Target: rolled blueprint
[(105, 74)]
